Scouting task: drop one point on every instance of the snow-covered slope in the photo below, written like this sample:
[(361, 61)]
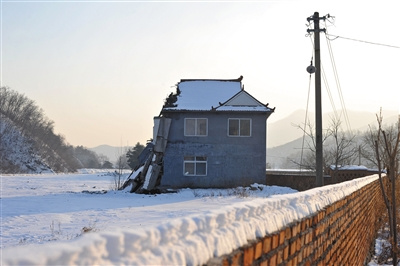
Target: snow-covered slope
[(188, 227), (17, 153)]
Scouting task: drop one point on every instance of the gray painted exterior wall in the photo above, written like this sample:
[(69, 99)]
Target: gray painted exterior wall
[(231, 161)]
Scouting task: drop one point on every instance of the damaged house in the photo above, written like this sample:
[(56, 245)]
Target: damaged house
[(210, 134)]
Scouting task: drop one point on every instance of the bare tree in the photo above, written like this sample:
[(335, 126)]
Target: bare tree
[(339, 147), (387, 152), (308, 159), (342, 150), (103, 161), (30, 120), (120, 165), (368, 147)]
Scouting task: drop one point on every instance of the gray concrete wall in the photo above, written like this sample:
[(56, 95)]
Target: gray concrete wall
[(231, 161)]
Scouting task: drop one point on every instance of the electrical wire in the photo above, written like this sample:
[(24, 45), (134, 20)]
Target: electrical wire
[(351, 39), (327, 87), (329, 92), (344, 109), (305, 122)]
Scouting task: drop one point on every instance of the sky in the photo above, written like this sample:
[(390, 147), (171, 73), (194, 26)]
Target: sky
[(102, 69)]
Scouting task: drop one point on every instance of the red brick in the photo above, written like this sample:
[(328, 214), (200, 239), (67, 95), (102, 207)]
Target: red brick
[(258, 250), (296, 229), (300, 242), (308, 238), (286, 253), (306, 223), (267, 242), (273, 260), (309, 250), (275, 241), (237, 259), (300, 257), (306, 251), (294, 261), (248, 255), (282, 237), (280, 256), (288, 233), (315, 220), (292, 248), (225, 261)]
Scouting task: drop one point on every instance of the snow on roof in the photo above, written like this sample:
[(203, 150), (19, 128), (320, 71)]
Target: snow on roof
[(349, 167), (243, 108), (205, 95)]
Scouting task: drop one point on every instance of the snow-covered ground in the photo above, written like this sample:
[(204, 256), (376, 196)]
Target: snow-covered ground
[(44, 217)]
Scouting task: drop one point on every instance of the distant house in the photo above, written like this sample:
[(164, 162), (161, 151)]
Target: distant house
[(217, 135)]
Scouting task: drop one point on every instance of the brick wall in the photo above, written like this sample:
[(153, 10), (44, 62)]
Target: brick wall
[(306, 180), (293, 180), (345, 175), (340, 234)]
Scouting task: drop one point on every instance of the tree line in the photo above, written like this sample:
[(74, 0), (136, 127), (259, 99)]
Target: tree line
[(21, 118), (340, 147)]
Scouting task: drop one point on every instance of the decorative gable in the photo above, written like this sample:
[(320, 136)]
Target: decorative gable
[(242, 99)]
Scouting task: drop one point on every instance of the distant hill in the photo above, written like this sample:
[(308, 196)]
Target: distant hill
[(111, 152), (286, 129), (278, 156)]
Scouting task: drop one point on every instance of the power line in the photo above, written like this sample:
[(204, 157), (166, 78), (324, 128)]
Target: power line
[(328, 90), (346, 117), (305, 123), (351, 39), (324, 78)]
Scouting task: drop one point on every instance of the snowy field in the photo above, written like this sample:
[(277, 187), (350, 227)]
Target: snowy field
[(44, 219), (43, 208)]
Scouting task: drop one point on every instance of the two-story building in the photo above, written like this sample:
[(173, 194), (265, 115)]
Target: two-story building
[(217, 135)]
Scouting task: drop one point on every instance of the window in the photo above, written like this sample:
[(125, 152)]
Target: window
[(195, 165), (195, 126), (239, 127)]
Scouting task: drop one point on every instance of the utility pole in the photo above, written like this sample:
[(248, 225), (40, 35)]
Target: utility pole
[(318, 105)]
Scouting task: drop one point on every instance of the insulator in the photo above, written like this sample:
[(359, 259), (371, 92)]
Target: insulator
[(311, 69)]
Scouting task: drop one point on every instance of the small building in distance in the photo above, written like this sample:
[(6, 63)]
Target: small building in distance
[(217, 135)]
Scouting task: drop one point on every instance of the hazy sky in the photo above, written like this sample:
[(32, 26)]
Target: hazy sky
[(102, 69)]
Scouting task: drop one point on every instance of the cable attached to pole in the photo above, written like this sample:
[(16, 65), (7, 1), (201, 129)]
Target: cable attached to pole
[(346, 116), (305, 121), (351, 39)]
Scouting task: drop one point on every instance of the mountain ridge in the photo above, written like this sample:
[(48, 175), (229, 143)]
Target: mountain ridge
[(286, 129), (279, 156), (111, 152)]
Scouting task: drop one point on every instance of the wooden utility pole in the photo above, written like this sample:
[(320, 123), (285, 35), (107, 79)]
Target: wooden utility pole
[(318, 106)]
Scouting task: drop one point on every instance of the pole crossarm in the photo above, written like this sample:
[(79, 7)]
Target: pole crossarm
[(316, 18), (313, 30)]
